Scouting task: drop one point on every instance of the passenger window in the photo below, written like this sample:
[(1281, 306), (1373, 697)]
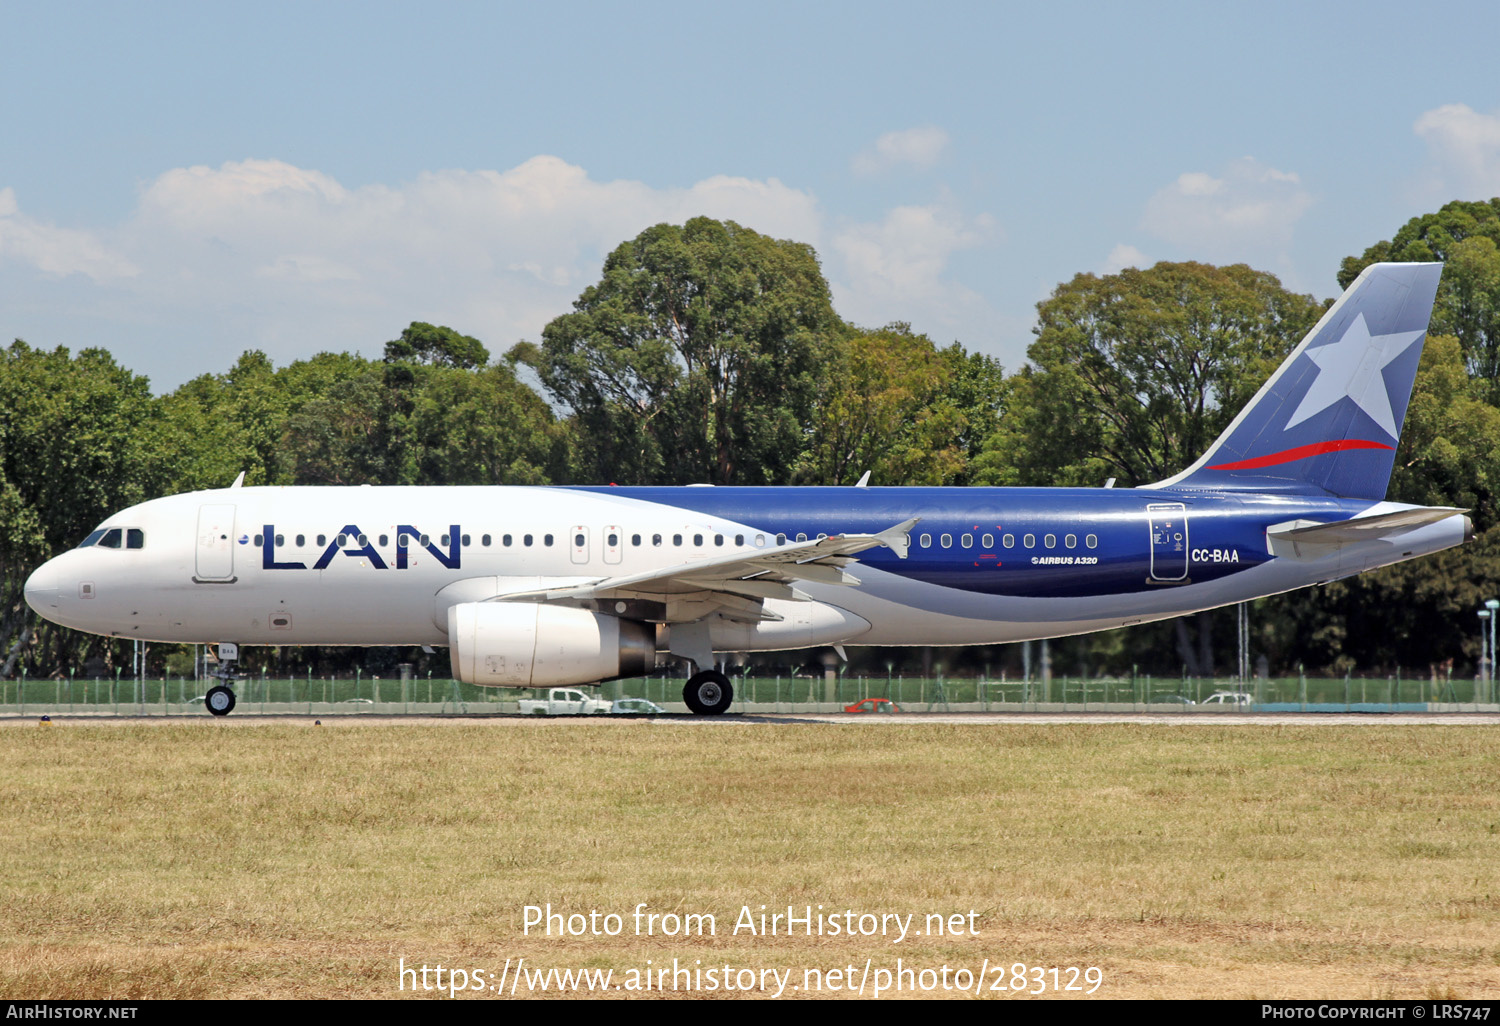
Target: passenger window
[(739, 539), (526, 540), (656, 540), (822, 536), (760, 541), (781, 539), (925, 541), (280, 540), (444, 542), (425, 539), (1029, 541), (135, 538), (635, 540), (402, 540), (301, 540), (967, 541), (1092, 541), (484, 540), (505, 540), (257, 540), (1008, 540), (697, 541), (1051, 541), (464, 539), (322, 540), (718, 539), (547, 540), (1071, 541), (989, 541), (578, 541), (385, 540), (612, 541), (676, 539), (365, 540), (801, 537), (947, 540)]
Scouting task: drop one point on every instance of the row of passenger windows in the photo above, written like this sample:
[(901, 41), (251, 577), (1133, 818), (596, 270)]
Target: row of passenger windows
[(507, 540), (114, 537), (1008, 541)]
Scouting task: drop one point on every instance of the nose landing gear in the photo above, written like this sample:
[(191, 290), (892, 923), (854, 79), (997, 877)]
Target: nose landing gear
[(220, 698)]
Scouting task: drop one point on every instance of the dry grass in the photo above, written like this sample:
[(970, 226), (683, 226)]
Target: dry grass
[(198, 860)]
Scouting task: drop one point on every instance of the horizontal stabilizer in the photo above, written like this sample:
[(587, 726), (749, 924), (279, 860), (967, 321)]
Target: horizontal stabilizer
[(1288, 539)]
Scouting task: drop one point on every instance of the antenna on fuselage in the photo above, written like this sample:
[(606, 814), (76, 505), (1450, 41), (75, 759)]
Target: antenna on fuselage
[(239, 480), (863, 482)]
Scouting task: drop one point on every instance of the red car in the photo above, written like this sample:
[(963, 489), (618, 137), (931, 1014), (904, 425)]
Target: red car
[(881, 705)]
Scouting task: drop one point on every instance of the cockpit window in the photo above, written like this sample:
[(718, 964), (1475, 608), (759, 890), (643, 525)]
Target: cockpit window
[(135, 538), (111, 539), (92, 539)]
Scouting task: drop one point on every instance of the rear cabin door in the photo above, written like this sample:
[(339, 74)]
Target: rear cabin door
[(1169, 541)]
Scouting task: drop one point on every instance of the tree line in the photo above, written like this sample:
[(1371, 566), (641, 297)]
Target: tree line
[(707, 352)]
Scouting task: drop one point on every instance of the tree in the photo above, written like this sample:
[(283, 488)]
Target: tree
[(887, 403), (695, 357), (1465, 236), (436, 346), (1136, 373)]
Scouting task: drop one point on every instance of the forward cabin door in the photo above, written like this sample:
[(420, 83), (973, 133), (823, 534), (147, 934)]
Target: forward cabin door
[(215, 544)]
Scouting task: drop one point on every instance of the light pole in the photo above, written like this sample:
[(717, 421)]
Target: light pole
[(1492, 605), (1484, 653)]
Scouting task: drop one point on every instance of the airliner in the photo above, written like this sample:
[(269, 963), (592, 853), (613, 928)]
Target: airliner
[(549, 586)]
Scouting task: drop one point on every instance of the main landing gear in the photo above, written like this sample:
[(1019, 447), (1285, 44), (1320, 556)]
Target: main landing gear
[(708, 693)]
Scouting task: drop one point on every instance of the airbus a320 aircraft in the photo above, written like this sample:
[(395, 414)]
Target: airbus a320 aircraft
[(573, 585)]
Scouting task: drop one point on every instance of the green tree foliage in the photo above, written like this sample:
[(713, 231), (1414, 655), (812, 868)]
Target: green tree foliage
[(695, 357), (889, 403), (438, 347), (79, 439), (1465, 236), (1137, 372)]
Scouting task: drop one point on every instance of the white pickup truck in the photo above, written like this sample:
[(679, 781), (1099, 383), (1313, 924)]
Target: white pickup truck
[(564, 702)]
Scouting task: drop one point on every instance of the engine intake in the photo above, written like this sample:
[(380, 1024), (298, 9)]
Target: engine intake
[(528, 644)]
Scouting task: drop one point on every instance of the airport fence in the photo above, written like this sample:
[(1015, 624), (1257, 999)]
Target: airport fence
[(360, 694)]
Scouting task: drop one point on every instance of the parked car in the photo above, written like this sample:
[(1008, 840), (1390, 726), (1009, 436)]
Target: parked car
[(881, 705), (1235, 698), (635, 707), (564, 702), (1171, 700)]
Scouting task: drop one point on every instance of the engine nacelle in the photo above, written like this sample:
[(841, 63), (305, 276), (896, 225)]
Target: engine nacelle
[(527, 644)]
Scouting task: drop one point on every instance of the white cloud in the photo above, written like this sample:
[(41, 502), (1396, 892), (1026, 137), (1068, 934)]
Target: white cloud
[(55, 251), (1465, 147), (264, 254), (895, 269), (918, 147), (1123, 256), (1247, 213)]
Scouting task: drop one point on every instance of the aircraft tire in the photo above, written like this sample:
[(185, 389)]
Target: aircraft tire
[(219, 700), (708, 693)]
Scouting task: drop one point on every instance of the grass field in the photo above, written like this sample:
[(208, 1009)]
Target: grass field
[(202, 859)]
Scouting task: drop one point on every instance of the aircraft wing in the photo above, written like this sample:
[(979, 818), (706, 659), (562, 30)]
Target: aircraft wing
[(736, 584)]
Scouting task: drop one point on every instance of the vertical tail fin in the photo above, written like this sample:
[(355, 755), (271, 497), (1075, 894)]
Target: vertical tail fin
[(1329, 419)]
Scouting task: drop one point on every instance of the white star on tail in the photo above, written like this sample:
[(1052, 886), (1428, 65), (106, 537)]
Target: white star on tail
[(1352, 367)]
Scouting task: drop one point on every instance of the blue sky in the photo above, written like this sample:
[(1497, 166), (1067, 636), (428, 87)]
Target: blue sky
[(181, 182)]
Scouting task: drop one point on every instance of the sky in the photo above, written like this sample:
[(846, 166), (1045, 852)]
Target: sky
[(181, 182)]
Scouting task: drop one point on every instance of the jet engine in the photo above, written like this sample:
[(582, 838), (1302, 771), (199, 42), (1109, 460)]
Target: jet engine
[(528, 644)]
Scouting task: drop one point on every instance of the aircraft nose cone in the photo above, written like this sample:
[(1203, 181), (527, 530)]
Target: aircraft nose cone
[(41, 588)]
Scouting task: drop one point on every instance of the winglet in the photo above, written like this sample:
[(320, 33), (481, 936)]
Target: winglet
[(898, 538)]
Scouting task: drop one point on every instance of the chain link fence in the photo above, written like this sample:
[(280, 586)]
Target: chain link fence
[(359, 694)]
